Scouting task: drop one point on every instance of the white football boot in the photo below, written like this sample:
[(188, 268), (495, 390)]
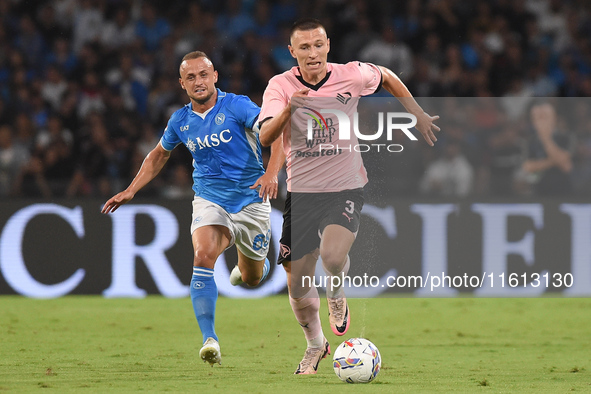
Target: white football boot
[(210, 352)]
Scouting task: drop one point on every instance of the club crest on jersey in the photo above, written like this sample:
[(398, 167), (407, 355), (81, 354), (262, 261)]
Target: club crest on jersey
[(344, 98), (219, 118)]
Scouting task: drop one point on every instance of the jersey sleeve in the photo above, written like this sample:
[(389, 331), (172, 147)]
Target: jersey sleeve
[(246, 111), (371, 78), (170, 138), (274, 100)]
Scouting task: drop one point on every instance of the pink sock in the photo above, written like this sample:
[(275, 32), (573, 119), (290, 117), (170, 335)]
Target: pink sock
[(306, 312)]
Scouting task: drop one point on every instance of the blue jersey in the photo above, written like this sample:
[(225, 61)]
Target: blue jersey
[(227, 157)]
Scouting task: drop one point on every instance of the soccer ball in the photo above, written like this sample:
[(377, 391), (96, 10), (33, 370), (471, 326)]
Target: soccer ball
[(357, 360)]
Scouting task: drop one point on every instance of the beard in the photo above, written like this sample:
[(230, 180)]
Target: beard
[(202, 101)]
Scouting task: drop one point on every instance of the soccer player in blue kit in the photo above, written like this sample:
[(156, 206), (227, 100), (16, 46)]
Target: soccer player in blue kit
[(232, 189)]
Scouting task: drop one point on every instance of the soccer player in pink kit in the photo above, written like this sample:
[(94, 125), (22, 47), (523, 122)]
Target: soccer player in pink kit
[(329, 185)]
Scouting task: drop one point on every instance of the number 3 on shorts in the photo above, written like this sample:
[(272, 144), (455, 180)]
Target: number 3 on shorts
[(351, 207)]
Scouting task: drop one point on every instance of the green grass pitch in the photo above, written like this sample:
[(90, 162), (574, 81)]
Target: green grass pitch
[(472, 345)]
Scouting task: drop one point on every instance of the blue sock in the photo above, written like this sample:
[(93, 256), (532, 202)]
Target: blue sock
[(204, 294), (266, 269)]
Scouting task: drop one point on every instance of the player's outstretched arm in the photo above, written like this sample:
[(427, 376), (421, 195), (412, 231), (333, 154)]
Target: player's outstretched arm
[(151, 166), (268, 182), (273, 127), (398, 89)]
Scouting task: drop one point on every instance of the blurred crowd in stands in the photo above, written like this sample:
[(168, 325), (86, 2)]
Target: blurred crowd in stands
[(87, 86)]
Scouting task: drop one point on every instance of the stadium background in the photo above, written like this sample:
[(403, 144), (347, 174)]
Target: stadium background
[(86, 88)]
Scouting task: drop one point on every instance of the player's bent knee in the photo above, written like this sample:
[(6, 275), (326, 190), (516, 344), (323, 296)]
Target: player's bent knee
[(333, 262), (204, 258)]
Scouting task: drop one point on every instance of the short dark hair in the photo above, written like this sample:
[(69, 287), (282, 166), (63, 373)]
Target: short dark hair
[(195, 55), (305, 24)]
